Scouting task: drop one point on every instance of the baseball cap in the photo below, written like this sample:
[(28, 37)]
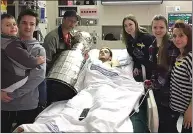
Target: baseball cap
[(71, 13)]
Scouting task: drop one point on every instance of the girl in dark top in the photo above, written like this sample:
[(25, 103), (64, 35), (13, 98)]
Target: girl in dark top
[(137, 41), (166, 54)]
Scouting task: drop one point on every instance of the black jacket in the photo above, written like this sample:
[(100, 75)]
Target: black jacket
[(161, 76), (138, 48)]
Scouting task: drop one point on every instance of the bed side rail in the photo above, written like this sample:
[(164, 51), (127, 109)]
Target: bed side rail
[(152, 112)]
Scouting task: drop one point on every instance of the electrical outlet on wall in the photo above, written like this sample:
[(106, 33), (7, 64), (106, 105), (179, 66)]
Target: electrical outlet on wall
[(177, 8), (89, 22)]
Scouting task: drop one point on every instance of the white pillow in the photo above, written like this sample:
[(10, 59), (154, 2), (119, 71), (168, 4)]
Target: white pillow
[(120, 55)]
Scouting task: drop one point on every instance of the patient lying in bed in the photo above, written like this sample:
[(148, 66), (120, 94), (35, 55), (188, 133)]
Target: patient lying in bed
[(107, 91)]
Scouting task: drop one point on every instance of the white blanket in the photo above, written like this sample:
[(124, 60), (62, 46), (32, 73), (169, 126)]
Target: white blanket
[(109, 93)]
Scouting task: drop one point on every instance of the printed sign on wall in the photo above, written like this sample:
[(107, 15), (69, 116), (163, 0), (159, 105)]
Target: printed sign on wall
[(88, 12)]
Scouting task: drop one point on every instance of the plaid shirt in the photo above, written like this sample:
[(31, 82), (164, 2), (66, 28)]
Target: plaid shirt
[(161, 76)]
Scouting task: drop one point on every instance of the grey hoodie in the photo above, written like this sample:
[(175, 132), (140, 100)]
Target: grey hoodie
[(16, 61), (27, 97)]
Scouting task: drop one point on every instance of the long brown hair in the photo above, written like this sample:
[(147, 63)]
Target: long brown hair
[(138, 29), (162, 59), (187, 30)]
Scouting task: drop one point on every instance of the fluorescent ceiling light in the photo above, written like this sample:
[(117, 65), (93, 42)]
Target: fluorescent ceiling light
[(131, 2)]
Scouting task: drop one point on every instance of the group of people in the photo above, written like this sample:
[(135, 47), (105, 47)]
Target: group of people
[(25, 61), (167, 62)]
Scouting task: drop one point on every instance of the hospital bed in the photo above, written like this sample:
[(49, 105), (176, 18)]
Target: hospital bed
[(145, 118), (121, 55), (126, 63)]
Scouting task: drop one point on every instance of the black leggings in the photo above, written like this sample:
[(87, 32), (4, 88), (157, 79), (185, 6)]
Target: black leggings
[(18, 117), (168, 121)]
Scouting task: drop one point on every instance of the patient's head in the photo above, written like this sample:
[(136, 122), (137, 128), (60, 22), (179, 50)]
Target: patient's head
[(105, 54)]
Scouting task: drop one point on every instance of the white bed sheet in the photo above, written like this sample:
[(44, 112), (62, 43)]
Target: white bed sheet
[(111, 101)]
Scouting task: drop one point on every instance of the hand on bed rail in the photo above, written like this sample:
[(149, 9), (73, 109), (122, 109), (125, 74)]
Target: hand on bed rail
[(86, 56), (148, 84)]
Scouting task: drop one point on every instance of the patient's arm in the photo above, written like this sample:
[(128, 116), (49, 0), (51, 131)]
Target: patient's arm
[(80, 81)]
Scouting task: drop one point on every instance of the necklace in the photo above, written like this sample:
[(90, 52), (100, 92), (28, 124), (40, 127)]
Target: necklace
[(179, 57)]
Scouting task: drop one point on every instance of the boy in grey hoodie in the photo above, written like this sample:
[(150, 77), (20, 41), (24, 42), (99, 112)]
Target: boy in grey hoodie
[(16, 60)]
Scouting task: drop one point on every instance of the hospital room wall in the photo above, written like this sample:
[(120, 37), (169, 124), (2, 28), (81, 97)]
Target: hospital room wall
[(113, 15)]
